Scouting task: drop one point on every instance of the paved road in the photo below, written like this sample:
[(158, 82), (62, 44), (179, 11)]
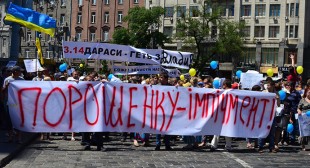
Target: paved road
[(61, 153)]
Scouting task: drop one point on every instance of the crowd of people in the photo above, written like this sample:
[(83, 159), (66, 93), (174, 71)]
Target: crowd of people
[(297, 101)]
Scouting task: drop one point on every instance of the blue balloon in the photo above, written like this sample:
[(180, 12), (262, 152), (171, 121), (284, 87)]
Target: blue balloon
[(282, 94), (290, 128), (110, 76), (216, 84), (238, 74), (308, 113), (63, 67), (213, 64)]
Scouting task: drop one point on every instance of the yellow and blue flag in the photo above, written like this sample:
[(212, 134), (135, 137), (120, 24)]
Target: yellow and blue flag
[(31, 19)]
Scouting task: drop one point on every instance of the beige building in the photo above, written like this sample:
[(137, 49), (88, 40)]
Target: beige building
[(274, 28)]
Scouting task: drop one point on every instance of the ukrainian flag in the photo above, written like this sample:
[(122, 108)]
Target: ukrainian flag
[(31, 19)]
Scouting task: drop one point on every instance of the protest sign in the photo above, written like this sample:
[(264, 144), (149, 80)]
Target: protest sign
[(248, 80), (118, 107), (304, 125), (32, 65), (124, 53), (11, 63)]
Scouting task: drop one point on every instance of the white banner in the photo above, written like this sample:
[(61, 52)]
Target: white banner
[(248, 80), (144, 69), (124, 53), (304, 125), (136, 70), (56, 106)]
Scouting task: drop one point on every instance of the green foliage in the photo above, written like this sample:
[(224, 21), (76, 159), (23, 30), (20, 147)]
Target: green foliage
[(121, 36), (142, 29), (230, 40), (196, 32), (105, 69)]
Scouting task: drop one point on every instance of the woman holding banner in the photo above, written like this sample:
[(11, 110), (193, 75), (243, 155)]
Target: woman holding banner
[(303, 107)]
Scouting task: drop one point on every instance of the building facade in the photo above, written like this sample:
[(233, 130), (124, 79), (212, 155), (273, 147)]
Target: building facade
[(5, 33), (274, 29)]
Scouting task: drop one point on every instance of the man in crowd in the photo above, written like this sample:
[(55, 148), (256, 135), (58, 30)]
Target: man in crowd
[(163, 79)]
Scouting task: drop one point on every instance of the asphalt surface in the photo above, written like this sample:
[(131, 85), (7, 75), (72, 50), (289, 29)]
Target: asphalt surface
[(66, 153)]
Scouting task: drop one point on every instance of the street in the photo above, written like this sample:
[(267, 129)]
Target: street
[(66, 153)]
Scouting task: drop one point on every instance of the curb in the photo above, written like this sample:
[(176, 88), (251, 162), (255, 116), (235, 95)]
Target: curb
[(19, 149)]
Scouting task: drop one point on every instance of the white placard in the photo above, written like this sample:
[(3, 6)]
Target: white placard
[(248, 80), (32, 65)]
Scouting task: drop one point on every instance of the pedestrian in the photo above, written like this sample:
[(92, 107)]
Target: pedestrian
[(163, 79), (16, 75)]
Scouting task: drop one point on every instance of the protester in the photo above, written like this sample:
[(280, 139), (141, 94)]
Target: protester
[(271, 136), (164, 82), (216, 138), (16, 75), (303, 107)]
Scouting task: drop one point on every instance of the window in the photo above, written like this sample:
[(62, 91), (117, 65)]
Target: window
[(28, 38), (79, 18), (92, 35), (78, 35), (274, 31), (207, 8), (62, 19), (106, 17), (231, 10), (247, 31), (275, 10), (80, 2), (119, 16), (193, 11), (105, 35), (259, 31), (120, 2), (181, 11), (260, 10), (63, 3), (246, 10), (296, 32), (223, 10), (136, 1), (249, 55), (168, 30), (213, 31), (297, 9), (270, 56), (93, 17), (291, 32), (106, 2), (93, 2), (49, 38), (292, 9), (168, 11)]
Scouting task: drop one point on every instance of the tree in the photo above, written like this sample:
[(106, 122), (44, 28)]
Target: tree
[(142, 28), (194, 30), (230, 40)]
